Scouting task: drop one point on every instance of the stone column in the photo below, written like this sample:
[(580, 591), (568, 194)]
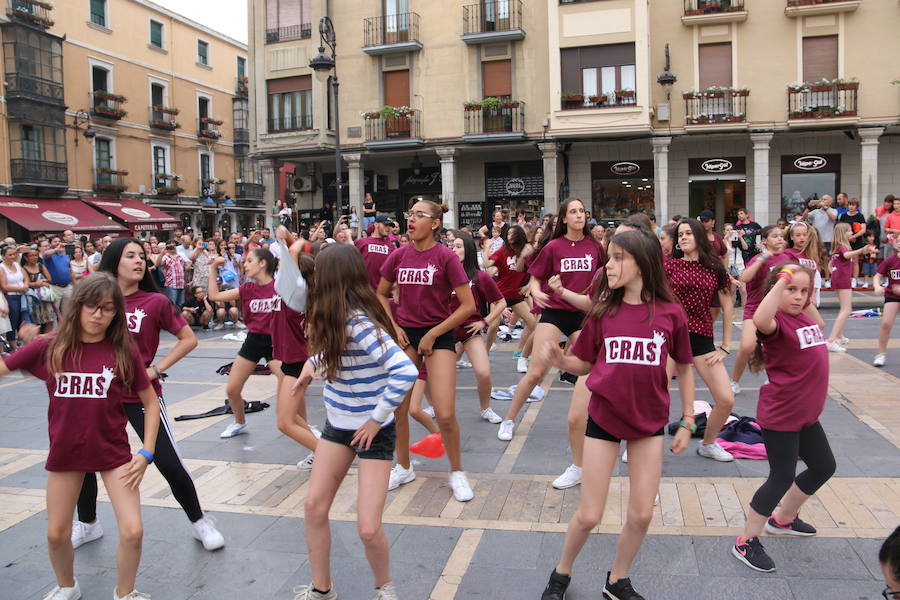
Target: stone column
[(448, 156), (868, 141), (550, 154), (357, 182), (761, 194), (661, 177), (270, 169)]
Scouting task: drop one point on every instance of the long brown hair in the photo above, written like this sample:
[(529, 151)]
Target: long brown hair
[(66, 342), (647, 253), (342, 287), (757, 362), (705, 255)]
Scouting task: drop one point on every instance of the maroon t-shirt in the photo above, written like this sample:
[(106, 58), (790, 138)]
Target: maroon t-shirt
[(890, 273), (628, 382), (810, 265), (374, 252), (484, 289), (425, 281), (146, 314), (289, 335), (574, 262), (718, 245), (86, 418), (796, 361), (696, 287), (259, 303), (841, 269), (509, 280), (756, 287)]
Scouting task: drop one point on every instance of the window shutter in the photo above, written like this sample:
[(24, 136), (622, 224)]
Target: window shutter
[(497, 78), (271, 14), (715, 65), (290, 84), (288, 13), (820, 57), (156, 34), (396, 88)]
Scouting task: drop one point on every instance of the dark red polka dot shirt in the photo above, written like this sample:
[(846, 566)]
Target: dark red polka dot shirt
[(695, 286)]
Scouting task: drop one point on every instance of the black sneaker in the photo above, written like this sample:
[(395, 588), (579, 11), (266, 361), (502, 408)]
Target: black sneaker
[(795, 527), (556, 587), (620, 590), (752, 554), (568, 378)]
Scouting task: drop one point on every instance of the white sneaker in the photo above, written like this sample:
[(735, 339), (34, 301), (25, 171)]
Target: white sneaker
[(386, 592), (735, 387), (240, 325), (218, 326), (715, 452), (82, 533), (463, 364), (878, 361), (67, 593), (536, 395), (459, 483), (307, 462), (429, 410), (206, 532), (505, 432), (400, 476), (516, 334), (132, 595), (490, 416), (656, 500), (843, 340), (834, 346), (233, 429), (522, 364), (306, 592), (625, 456), (570, 478)]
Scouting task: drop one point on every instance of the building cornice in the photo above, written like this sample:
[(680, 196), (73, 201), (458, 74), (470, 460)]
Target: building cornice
[(190, 23)]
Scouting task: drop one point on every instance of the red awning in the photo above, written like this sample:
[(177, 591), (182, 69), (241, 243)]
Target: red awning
[(136, 215), (57, 215)]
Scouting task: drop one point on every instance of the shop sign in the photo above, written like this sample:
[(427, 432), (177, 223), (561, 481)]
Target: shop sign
[(426, 180), (61, 218), (516, 187), (811, 163), (622, 168), (625, 168), (471, 214), (731, 165), (716, 165)]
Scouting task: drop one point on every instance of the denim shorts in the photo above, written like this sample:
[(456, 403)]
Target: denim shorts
[(382, 447)]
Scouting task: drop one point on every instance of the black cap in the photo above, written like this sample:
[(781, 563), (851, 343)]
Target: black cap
[(707, 215), (382, 219)]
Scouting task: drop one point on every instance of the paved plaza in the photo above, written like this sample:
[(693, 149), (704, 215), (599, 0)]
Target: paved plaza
[(500, 545)]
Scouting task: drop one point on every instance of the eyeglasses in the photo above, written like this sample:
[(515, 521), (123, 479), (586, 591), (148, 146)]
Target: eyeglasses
[(105, 309), (415, 216), (890, 595)]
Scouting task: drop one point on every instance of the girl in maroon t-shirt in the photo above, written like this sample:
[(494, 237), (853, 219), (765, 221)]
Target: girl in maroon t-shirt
[(842, 260), (633, 326), (887, 282), (697, 276), (89, 365), (425, 273), (469, 334), (259, 302), (754, 277), (572, 254), (792, 348), (801, 248)]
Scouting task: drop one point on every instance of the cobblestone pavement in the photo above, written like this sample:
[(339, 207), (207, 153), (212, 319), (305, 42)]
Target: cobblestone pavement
[(503, 543)]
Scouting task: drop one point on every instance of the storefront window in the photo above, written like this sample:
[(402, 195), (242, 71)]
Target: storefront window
[(621, 188), (807, 177)]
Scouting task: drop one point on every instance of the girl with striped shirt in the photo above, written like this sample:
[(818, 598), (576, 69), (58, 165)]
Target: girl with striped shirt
[(352, 347)]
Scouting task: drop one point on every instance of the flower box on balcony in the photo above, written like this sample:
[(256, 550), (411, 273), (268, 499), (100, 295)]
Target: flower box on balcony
[(169, 191), (625, 93), (166, 110), (467, 106), (600, 99), (104, 95), (699, 120), (167, 177), (741, 92), (109, 112), (215, 195), (848, 85), (211, 121), (572, 97), (169, 125), (213, 181), (510, 105), (211, 134), (821, 87), (22, 12), (111, 187), (105, 171)]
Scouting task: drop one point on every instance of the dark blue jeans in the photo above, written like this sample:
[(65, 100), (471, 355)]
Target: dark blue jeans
[(176, 295), (17, 315)]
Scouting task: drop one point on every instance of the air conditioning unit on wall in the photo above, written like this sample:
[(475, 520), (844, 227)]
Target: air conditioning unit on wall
[(302, 184)]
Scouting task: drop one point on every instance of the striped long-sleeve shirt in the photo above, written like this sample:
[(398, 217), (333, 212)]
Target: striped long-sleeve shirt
[(374, 376)]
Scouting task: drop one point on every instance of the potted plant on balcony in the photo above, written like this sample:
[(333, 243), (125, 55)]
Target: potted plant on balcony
[(822, 85), (691, 95), (168, 110), (211, 121), (213, 181), (510, 104), (598, 99), (699, 119), (370, 115), (715, 92), (388, 112), (491, 103), (109, 112), (212, 134), (624, 93), (111, 187), (744, 91), (105, 171), (847, 84), (471, 106), (572, 97), (796, 88)]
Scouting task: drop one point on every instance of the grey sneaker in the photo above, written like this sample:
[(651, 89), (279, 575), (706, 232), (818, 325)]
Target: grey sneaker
[(386, 592), (715, 452), (306, 592)]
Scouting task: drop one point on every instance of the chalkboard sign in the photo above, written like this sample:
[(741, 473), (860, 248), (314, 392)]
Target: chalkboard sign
[(471, 215), (512, 187)]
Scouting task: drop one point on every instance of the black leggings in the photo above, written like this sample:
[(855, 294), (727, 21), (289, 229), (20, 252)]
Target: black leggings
[(167, 460), (783, 448)]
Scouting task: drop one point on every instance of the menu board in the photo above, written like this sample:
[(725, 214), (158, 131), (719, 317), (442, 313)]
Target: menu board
[(471, 215)]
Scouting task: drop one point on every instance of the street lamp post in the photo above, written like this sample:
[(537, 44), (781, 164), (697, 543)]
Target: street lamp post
[(325, 65)]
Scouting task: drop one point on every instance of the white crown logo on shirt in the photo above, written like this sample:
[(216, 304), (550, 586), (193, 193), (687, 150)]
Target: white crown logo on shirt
[(133, 320)]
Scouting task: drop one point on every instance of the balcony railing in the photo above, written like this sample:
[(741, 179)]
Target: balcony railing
[(294, 123), (241, 135), (391, 29), (163, 117), (106, 105), (694, 8), (291, 32), (715, 106), (19, 85), (250, 191), (110, 181), (39, 172), (208, 128), (577, 101), (242, 86), (508, 117), (396, 127), (492, 15), (811, 2), (32, 12), (823, 100), (209, 188), (167, 184)]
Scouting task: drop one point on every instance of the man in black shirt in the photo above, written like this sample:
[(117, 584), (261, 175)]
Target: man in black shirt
[(748, 230)]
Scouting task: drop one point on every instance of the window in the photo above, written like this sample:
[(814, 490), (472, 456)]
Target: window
[(159, 162), (202, 52), (38, 153), (715, 71), (820, 57), (98, 12), (156, 34), (157, 94), (103, 159), (290, 103), (599, 71), (287, 20), (496, 78), (203, 107), (99, 79), (241, 66), (33, 63), (31, 142), (241, 113)]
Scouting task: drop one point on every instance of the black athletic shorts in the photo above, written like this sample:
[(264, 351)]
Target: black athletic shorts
[(886, 300), (595, 431), (701, 344), (256, 346), (292, 369), (382, 447), (513, 302), (566, 321), (446, 341)]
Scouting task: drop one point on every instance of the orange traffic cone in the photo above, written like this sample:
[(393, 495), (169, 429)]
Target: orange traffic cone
[(430, 446)]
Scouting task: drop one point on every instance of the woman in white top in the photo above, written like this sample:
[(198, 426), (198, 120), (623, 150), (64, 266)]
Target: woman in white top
[(79, 264), (12, 282)]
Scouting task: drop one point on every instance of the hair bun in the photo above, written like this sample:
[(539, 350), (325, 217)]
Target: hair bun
[(445, 209)]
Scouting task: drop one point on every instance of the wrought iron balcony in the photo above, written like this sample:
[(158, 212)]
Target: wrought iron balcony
[(106, 105), (250, 191), (715, 106), (291, 32), (20, 85), (209, 188), (165, 184), (293, 123), (163, 117), (391, 34), (822, 100), (492, 120), (796, 8), (27, 171), (401, 127), (31, 12), (242, 86), (492, 20), (110, 181), (208, 128), (577, 101), (694, 8)]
